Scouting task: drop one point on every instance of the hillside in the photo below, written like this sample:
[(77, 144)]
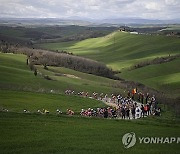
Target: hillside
[(90, 77), (17, 75), (17, 101), (122, 49), (34, 33), (30, 133), (20, 88), (164, 77), (21, 132)]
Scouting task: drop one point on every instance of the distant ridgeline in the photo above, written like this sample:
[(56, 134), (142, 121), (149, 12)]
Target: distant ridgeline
[(41, 34), (48, 58)]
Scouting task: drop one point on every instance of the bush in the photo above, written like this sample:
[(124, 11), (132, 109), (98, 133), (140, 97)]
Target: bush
[(47, 77), (31, 66)]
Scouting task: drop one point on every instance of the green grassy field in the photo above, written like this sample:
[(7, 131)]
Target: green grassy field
[(172, 28), (122, 49), (17, 101), (34, 133), (163, 77), (16, 75), (30, 133)]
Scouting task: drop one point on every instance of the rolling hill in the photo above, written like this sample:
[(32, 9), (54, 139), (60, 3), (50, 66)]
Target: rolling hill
[(121, 50), (33, 133), (163, 77), (34, 33), (17, 75), (20, 89)]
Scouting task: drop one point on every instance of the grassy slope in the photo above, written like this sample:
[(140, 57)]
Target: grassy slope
[(16, 75), (17, 101), (24, 133), (30, 133), (174, 28), (81, 81), (164, 77), (122, 49)]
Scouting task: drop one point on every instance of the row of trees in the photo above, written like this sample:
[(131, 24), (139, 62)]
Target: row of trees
[(157, 60), (48, 58)]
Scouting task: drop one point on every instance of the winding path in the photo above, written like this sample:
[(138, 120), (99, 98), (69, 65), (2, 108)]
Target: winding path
[(108, 102)]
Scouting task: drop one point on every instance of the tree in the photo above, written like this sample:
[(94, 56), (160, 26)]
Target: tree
[(27, 61), (35, 72), (44, 60), (31, 66)]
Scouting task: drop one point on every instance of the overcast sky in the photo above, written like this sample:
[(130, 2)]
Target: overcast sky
[(94, 9)]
